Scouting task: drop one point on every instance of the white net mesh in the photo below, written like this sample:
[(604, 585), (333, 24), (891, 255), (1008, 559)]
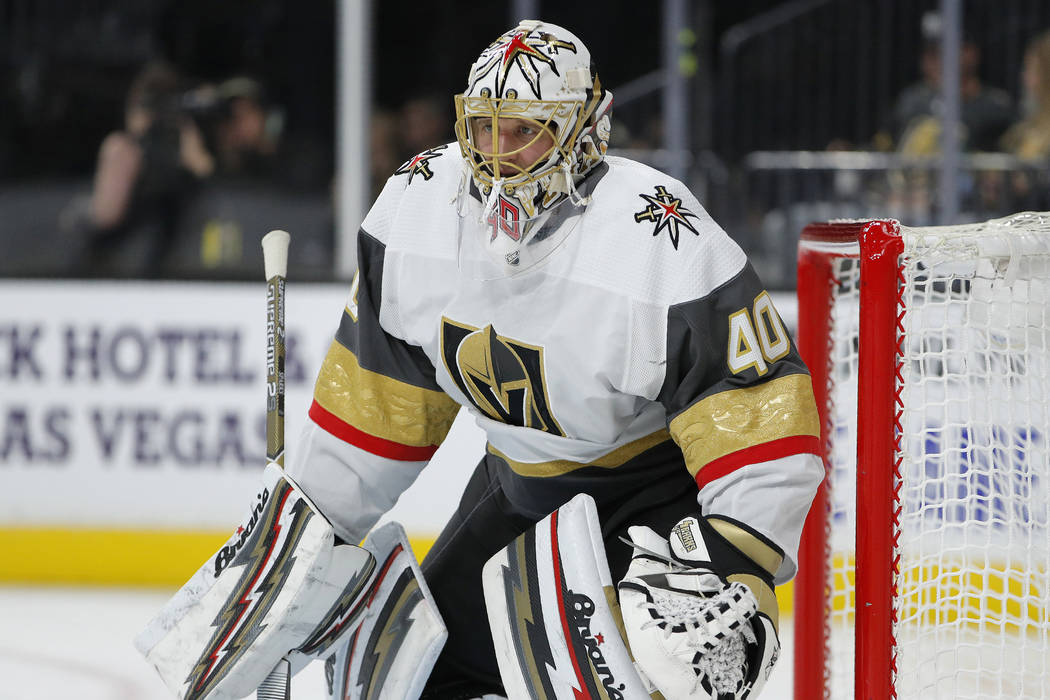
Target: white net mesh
[(973, 600), (842, 446)]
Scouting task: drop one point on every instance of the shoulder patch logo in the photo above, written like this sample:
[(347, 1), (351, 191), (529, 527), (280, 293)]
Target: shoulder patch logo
[(421, 164), (667, 213), (504, 378)]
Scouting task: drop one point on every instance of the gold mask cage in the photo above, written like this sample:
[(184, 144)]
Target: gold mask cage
[(560, 120)]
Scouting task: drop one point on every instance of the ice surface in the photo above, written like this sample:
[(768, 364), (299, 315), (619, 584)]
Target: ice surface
[(57, 643)]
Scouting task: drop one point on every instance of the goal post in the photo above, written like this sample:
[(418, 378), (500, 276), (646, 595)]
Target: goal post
[(923, 568)]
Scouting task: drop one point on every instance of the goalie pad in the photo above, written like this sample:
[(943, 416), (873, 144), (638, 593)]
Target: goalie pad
[(282, 586), (555, 620), (698, 633), (390, 655)]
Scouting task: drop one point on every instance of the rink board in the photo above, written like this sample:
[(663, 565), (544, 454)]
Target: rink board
[(132, 424)]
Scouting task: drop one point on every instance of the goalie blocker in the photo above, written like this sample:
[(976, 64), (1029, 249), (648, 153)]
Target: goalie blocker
[(283, 586)]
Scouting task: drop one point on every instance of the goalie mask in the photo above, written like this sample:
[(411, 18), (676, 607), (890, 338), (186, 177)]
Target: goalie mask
[(532, 122)]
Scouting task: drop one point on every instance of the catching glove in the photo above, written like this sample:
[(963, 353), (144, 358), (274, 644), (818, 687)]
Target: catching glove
[(699, 610)]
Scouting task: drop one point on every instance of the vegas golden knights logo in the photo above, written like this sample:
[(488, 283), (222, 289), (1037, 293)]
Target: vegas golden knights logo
[(502, 377)]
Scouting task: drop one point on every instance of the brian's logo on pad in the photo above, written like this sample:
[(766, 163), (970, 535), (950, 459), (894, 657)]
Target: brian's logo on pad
[(229, 552), (582, 611), (502, 377)]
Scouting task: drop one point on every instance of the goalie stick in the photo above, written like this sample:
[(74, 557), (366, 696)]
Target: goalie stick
[(283, 589), (277, 685), (275, 264)]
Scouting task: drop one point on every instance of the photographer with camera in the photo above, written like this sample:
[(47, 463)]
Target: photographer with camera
[(144, 175), (243, 128)]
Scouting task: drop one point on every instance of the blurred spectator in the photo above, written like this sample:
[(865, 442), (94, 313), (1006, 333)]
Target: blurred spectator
[(144, 175), (985, 112), (245, 130), (424, 122), (1029, 138)]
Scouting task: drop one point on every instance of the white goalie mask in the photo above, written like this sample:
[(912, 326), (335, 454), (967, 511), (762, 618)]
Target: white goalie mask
[(533, 121)]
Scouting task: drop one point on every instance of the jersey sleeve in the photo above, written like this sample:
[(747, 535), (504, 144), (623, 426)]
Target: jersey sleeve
[(375, 391), (740, 406), (735, 388), (378, 414)]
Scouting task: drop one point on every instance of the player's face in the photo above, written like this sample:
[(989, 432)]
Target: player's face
[(517, 145)]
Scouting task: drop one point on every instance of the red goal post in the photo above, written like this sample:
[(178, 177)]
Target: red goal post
[(927, 574)]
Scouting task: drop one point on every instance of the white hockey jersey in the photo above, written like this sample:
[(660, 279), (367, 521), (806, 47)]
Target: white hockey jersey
[(644, 347)]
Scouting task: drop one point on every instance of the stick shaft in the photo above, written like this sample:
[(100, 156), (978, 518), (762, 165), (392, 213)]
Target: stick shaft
[(275, 259), (275, 370), (277, 685)]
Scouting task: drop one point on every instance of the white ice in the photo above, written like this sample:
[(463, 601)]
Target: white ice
[(58, 643)]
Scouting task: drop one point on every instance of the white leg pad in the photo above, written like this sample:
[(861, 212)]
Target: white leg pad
[(391, 653), (261, 597), (554, 614)]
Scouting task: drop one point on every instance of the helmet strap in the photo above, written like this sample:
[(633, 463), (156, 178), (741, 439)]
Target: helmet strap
[(563, 181), (493, 200)]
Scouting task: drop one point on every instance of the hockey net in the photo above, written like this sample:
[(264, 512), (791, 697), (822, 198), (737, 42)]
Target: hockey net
[(924, 564)]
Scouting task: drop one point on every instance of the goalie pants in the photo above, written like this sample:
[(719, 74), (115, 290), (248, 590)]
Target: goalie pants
[(484, 523)]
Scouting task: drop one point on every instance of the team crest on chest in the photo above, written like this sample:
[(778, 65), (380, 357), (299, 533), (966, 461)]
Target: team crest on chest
[(667, 213), (503, 378), (421, 164)]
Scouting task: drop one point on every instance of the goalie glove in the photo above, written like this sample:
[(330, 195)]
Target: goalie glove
[(700, 615)]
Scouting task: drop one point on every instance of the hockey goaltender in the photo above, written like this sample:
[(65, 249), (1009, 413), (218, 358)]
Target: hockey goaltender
[(647, 414)]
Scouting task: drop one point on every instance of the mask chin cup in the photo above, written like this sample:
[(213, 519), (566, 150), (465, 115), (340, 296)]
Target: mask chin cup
[(503, 244)]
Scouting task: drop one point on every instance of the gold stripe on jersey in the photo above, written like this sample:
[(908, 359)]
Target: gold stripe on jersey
[(382, 406), (767, 599), (755, 549), (733, 420), (761, 553), (610, 460)]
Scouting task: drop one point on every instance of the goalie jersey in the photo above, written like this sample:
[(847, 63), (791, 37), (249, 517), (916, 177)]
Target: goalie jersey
[(643, 348)]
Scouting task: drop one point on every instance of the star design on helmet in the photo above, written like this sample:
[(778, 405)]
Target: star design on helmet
[(515, 45), (522, 51), (421, 163), (667, 213)]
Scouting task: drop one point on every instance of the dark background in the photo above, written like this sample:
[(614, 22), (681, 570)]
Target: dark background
[(790, 76), (65, 66)]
